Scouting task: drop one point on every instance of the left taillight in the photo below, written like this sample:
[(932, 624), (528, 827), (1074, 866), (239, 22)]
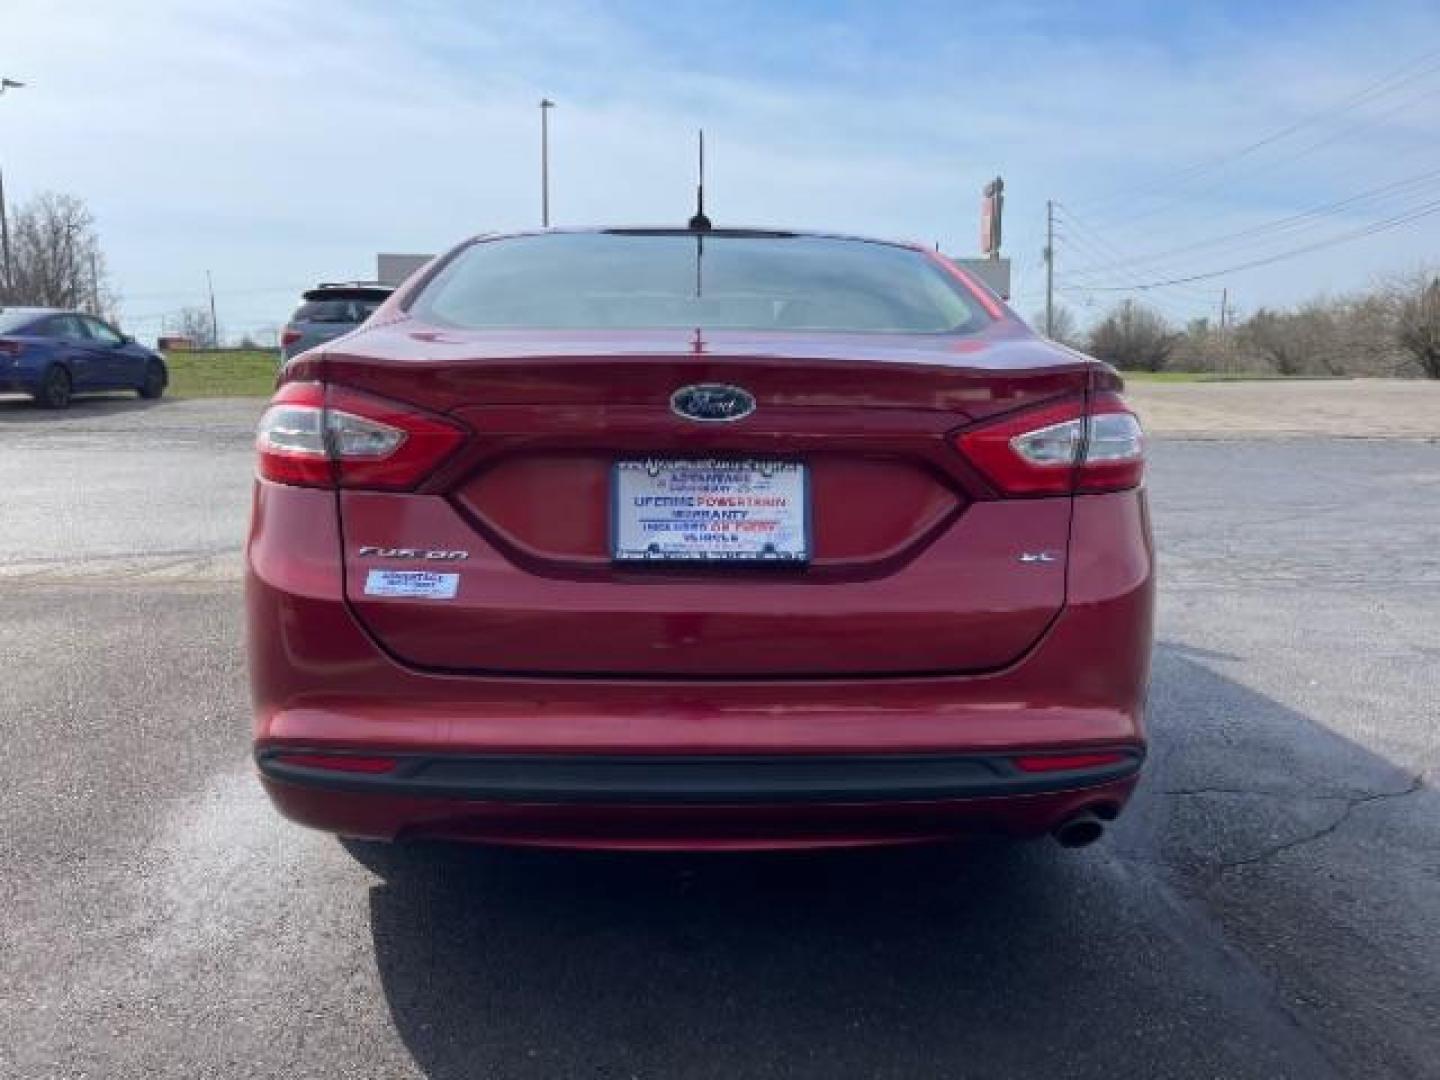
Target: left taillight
[(1061, 449), (11, 347), (318, 436)]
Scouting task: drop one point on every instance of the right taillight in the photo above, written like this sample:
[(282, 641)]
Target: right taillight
[(1060, 449), (11, 347), (1114, 454), (314, 436)]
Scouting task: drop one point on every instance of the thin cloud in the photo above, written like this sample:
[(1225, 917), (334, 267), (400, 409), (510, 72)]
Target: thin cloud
[(282, 142)]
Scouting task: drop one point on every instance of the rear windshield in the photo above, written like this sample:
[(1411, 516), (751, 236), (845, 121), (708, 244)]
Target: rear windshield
[(679, 280), (335, 311)]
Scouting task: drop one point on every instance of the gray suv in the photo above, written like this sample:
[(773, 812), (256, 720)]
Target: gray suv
[(329, 310)]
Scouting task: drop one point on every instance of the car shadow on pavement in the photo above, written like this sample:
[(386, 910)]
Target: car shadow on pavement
[(960, 961)]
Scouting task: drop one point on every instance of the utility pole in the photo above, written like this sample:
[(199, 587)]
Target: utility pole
[(1049, 267), (545, 106), (95, 286), (1225, 326), (214, 324), (8, 280)]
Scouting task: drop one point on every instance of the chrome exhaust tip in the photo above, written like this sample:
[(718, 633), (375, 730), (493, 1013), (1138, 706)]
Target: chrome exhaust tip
[(1079, 831)]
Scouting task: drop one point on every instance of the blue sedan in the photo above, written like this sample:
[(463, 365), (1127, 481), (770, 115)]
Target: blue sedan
[(53, 355)]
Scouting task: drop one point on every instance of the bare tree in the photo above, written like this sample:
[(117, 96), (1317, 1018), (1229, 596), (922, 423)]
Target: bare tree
[(1202, 346), (1390, 330), (55, 255), (1133, 338), (1366, 343), (1417, 325), (1064, 327), (1272, 335), (195, 324), (1313, 339)]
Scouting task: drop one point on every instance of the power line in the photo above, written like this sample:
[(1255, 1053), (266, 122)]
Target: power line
[(1396, 78), (1264, 166), (1405, 218), (191, 293), (1180, 301), (1271, 230), (1106, 263), (1179, 307), (1092, 243)]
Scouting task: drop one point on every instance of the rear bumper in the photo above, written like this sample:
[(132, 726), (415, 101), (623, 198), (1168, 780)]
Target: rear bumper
[(694, 802), (693, 780), (742, 763)]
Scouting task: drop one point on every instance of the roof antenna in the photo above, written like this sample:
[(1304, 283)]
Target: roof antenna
[(700, 223)]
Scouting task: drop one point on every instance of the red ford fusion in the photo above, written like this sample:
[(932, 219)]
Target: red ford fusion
[(681, 539)]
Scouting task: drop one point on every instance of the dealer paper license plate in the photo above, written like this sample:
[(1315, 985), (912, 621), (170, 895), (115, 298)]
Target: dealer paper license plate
[(710, 510)]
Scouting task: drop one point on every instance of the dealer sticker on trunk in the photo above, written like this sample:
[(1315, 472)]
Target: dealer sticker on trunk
[(419, 584)]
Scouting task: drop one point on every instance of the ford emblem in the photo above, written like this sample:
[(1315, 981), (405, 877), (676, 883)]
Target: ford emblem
[(710, 402)]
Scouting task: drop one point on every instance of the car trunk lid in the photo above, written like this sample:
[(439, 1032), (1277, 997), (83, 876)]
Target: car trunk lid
[(912, 565)]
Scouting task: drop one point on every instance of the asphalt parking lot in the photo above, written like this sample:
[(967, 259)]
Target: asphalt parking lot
[(1267, 908)]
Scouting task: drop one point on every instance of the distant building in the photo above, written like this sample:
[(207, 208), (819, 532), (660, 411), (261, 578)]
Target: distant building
[(392, 269), (995, 273), (174, 343)]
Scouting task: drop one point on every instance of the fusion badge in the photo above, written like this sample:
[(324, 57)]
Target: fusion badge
[(370, 551)]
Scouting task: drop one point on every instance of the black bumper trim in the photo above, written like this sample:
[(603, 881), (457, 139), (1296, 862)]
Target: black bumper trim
[(696, 779)]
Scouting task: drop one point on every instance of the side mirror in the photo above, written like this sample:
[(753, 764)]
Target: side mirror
[(126, 339)]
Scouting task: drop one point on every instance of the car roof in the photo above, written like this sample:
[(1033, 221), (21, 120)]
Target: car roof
[(348, 290), (26, 310)]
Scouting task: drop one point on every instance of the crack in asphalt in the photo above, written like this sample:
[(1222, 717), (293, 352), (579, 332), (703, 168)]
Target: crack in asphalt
[(1263, 793), (1352, 803)]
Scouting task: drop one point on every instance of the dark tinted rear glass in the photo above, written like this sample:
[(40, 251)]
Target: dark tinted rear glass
[(65, 327), (335, 311), (742, 282)]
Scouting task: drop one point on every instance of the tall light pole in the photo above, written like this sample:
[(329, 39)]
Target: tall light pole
[(6, 84), (1049, 267), (545, 106), (214, 322), (5, 279)]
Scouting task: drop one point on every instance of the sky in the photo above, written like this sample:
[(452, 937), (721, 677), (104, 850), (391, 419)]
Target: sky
[(277, 143)]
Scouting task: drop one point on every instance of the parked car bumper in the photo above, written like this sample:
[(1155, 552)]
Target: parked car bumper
[(19, 381)]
